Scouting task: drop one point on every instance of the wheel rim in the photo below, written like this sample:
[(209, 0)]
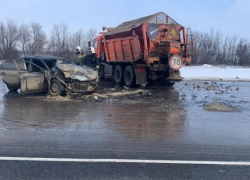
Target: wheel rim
[(54, 88), (117, 74), (128, 76)]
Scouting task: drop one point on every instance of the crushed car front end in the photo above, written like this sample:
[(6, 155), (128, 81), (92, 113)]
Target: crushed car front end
[(74, 78)]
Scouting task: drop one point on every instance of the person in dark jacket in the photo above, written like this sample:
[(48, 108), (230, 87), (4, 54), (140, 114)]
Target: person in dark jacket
[(91, 60)]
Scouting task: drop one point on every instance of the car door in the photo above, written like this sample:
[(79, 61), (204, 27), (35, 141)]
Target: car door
[(32, 80), (10, 75)]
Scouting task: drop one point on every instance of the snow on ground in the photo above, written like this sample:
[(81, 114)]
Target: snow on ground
[(209, 72)]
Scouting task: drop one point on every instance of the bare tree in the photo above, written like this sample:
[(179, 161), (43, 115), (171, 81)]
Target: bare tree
[(197, 46), (232, 49), (91, 34), (24, 38), (2, 32), (243, 52), (217, 46), (211, 47), (78, 39), (214, 49), (229, 49), (201, 47), (38, 39), (9, 39), (59, 40)]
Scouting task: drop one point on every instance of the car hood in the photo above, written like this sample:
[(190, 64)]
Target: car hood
[(81, 73)]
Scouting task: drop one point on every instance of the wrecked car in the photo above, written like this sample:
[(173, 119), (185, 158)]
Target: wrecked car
[(51, 74)]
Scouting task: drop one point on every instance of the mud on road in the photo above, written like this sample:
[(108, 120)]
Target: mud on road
[(156, 98), (213, 95)]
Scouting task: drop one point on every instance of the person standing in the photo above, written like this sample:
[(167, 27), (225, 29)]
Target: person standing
[(91, 60), (78, 56)]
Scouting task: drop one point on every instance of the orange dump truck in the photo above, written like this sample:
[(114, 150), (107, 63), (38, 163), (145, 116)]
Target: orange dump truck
[(150, 49)]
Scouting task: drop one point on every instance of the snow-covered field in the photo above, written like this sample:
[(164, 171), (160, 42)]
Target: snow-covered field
[(209, 72)]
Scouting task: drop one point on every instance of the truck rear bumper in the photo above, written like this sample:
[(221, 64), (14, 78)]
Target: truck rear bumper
[(174, 76), (175, 79)]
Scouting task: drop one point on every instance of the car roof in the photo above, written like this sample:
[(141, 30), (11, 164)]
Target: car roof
[(45, 57)]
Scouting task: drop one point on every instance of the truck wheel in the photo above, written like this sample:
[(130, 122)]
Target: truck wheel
[(56, 88), (118, 74), (129, 76)]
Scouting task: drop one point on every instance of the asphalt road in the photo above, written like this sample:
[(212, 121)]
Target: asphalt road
[(164, 134)]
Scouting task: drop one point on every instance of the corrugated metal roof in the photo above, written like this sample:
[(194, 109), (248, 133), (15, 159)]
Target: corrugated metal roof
[(137, 21), (128, 25)]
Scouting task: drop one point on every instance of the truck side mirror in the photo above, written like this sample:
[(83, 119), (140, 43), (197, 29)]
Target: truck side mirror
[(89, 43)]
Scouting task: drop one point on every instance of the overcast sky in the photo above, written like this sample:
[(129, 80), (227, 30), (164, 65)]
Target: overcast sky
[(231, 17)]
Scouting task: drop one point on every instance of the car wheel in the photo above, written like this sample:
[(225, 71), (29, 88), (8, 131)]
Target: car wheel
[(118, 74), (129, 76), (56, 88)]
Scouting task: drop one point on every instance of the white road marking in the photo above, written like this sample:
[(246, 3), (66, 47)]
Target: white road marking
[(229, 163)]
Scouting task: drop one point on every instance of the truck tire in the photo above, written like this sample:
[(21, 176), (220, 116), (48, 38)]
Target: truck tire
[(129, 76), (56, 88), (118, 74)]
